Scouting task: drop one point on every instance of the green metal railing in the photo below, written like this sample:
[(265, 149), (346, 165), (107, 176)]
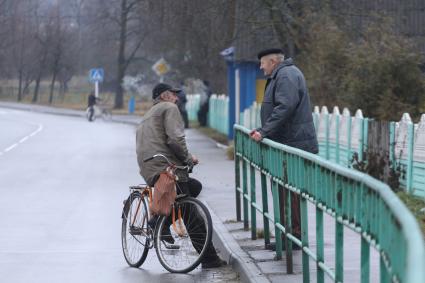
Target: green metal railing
[(353, 199)]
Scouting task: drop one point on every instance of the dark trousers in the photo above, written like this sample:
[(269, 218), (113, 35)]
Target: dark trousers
[(185, 117), (91, 112), (191, 215), (203, 115), (295, 211)]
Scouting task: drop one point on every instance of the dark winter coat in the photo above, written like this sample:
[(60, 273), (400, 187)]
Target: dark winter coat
[(286, 115)]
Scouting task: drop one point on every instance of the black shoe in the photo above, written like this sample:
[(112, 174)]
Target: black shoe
[(152, 222), (296, 248), (166, 236), (215, 263), (272, 247)]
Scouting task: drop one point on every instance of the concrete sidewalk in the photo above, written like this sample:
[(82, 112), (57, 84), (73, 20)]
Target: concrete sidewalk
[(247, 257)]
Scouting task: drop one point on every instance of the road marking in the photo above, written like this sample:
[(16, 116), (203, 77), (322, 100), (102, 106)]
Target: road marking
[(23, 139), (39, 129), (11, 147)]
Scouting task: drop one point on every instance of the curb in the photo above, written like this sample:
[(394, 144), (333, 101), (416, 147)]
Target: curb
[(43, 109), (59, 111), (234, 255)]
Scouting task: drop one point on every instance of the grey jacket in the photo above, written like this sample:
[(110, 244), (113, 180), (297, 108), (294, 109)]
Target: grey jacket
[(286, 111), (161, 131)]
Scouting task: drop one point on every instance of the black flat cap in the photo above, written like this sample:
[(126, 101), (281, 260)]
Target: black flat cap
[(161, 87), (269, 51)]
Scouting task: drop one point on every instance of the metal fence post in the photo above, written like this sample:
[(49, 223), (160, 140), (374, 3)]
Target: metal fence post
[(253, 201), (276, 210), (337, 138), (244, 194), (365, 261), (265, 209), (339, 233), (304, 239), (327, 135), (409, 175), (392, 144), (238, 178), (362, 136), (349, 153)]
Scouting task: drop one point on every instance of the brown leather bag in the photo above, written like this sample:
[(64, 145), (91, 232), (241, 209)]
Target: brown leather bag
[(164, 193)]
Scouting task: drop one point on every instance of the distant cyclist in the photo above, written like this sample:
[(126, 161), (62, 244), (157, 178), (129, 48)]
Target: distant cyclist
[(162, 131), (92, 99)]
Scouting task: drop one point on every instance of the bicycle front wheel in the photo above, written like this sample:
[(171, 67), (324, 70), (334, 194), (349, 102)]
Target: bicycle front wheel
[(182, 239), (134, 230), (106, 115)]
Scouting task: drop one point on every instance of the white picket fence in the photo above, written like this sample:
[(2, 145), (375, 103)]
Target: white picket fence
[(340, 136)]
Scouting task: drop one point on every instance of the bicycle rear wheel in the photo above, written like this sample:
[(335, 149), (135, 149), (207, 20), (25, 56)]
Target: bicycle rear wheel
[(134, 230), (106, 115), (182, 243)]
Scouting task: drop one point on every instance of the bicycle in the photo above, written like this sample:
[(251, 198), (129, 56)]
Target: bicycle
[(92, 112), (180, 239), (99, 109)]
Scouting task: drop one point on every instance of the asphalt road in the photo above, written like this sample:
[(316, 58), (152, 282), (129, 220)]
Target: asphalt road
[(62, 183)]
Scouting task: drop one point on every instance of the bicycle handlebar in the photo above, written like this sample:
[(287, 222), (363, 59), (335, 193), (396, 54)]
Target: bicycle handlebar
[(148, 159)]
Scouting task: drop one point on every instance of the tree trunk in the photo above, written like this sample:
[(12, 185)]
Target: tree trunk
[(119, 99), (39, 75), (36, 89), (27, 84), (52, 87), (20, 86)]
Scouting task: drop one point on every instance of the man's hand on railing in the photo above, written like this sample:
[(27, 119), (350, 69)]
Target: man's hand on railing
[(255, 135)]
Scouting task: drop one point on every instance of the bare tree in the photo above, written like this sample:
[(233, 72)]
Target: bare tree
[(124, 20), (19, 51)]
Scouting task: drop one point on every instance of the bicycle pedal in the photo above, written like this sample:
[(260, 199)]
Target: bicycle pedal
[(149, 243), (136, 231), (171, 246)]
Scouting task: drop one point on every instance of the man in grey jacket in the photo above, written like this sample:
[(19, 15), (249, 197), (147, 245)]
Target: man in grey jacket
[(162, 132), (286, 114)]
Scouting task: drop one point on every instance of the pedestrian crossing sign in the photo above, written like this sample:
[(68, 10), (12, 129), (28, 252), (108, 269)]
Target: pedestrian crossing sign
[(96, 75)]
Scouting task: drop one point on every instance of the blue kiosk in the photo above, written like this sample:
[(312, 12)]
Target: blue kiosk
[(245, 84)]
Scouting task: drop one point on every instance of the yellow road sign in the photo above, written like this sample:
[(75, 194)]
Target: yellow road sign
[(161, 67)]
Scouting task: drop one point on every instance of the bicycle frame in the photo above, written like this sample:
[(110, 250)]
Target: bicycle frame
[(146, 191)]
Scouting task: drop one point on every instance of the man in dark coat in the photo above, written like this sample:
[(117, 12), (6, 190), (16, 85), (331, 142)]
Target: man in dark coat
[(286, 114), (181, 104), (286, 110)]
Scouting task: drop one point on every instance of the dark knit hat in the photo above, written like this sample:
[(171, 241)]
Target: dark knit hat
[(269, 51)]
